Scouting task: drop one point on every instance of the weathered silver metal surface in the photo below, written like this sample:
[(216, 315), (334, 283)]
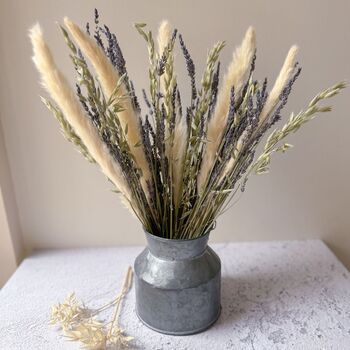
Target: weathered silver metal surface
[(177, 284)]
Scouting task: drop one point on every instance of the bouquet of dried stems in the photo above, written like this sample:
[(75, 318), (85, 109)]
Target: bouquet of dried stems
[(175, 168)]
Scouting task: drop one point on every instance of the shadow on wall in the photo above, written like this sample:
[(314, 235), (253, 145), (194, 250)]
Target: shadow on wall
[(340, 247)]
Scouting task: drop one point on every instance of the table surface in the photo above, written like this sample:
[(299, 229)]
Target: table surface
[(275, 295)]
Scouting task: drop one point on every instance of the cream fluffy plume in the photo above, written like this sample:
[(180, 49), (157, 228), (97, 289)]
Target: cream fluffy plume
[(163, 39), (60, 90), (281, 81), (180, 142), (164, 35), (178, 150), (235, 76), (108, 77), (284, 75)]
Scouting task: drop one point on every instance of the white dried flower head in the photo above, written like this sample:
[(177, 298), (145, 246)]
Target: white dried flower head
[(91, 333), (118, 338), (67, 313), (81, 324)]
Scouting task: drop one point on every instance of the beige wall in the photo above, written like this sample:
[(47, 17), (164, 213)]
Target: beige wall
[(64, 201), (11, 242)]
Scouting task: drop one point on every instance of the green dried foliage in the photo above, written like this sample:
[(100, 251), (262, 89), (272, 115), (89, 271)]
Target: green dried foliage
[(261, 165), (67, 130)]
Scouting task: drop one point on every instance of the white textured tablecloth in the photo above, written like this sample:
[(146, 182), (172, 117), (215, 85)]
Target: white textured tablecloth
[(275, 295)]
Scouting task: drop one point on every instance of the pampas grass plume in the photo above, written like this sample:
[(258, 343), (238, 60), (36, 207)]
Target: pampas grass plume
[(281, 81), (108, 77), (235, 76), (58, 87), (164, 35), (180, 141), (163, 39)]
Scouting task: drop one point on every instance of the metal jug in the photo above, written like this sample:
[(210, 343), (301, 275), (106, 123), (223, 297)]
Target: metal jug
[(177, 285)]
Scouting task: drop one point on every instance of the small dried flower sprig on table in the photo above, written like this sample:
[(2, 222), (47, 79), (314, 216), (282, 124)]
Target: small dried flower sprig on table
[(176, 168), (81, 324)]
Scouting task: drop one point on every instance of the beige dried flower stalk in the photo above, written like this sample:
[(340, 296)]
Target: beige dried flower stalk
[(282, 79), (167, 82), (57, 85), (109, 78), (80, 324), (180, 142), (284, 75), (163, 38), (235, 76)]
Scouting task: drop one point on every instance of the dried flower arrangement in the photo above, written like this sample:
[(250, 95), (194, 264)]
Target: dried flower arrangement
[(176, 168), (80, 323)]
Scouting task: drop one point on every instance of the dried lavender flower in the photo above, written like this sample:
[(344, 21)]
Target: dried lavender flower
[(191, 69)]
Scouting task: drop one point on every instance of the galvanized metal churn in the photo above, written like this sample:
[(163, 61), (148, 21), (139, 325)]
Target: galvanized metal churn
[(177, 285)]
